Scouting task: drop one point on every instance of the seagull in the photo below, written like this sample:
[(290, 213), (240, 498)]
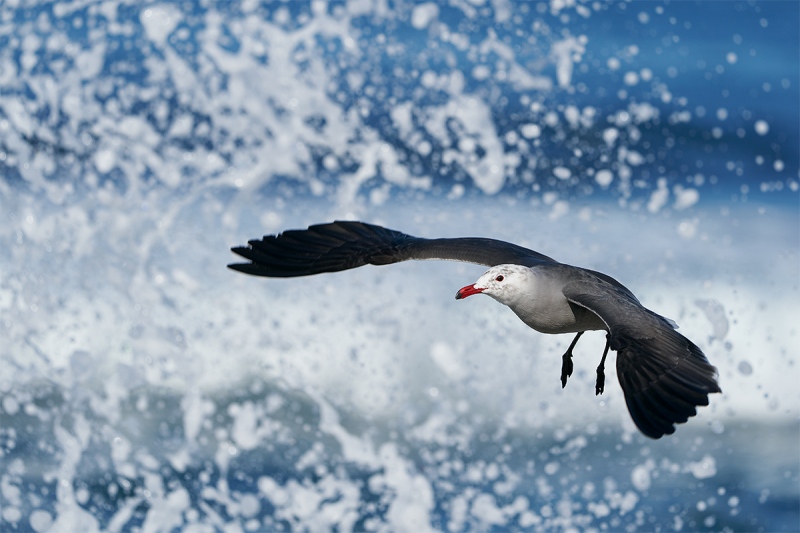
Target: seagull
[(663, 375)]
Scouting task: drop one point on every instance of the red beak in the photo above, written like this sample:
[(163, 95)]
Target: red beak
[(469, 290)]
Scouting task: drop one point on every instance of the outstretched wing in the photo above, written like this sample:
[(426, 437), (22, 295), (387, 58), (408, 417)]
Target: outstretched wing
[(343, 245), (664, 376)]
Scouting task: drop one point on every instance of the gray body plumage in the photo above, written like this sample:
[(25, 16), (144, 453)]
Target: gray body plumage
[(663, 375)]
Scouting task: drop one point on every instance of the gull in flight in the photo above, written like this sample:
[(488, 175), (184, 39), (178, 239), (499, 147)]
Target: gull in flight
[(664, 376)]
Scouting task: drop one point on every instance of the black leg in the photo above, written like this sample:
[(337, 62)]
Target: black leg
[(566, 361), (601, 372)]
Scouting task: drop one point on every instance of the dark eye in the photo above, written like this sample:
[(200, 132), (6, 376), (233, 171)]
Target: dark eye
[(499, 278)]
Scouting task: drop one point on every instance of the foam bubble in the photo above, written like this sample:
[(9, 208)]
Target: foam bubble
[(159, 22), (424, 14), (703, 469)]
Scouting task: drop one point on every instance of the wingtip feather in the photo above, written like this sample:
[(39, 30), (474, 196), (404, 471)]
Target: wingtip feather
[(664, 378)]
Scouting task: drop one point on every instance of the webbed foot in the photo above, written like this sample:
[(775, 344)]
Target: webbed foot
[(566, 361), (600, 384), (566, 368)]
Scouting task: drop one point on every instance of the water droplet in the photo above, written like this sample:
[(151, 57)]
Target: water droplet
[(745, 368)]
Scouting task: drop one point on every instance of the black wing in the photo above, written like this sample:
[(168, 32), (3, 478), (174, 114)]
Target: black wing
[(343, 245), (663, 375)]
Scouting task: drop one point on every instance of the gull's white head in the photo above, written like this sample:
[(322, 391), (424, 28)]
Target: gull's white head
[(504, 283)]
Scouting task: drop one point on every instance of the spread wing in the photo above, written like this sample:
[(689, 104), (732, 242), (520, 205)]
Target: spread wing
[(663, 375), (343, 245)]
